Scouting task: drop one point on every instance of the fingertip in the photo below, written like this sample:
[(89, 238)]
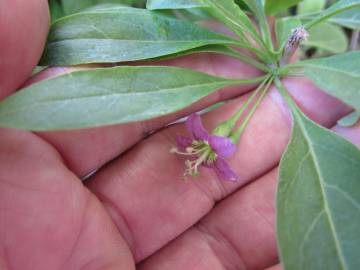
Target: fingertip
[(23, 29)]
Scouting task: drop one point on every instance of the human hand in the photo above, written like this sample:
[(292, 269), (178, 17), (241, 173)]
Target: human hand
[(135, 212)]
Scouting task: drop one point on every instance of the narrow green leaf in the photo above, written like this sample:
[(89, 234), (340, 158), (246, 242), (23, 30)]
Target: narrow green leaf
[(171, 4), (273, 7), (219, 49), (226, 11), (106, 96), (318, 200), (338, 7), (233, 17), (74, 6), (118, 35), (349, 120), (338, 75), (328, 37), (257, 7)]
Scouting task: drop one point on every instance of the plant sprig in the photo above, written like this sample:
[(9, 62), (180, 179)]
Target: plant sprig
[(318, 196)]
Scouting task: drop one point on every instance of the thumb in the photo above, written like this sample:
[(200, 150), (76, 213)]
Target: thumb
[(23, 29)]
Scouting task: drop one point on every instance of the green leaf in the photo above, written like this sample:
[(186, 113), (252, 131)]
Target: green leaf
[(118, 35), (349, 19), (74, 6), (226, 11), (349, 120), (97, 97), (56, 10), (171, 4), (311, 6), (273, 7), (219, 49), (338, 7), (318, 200), (233, 17), (338, 75), (328, 37), (257, 7)]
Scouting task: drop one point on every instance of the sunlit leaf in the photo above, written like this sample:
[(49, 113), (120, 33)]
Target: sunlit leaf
[(318, 200), (98, 97)]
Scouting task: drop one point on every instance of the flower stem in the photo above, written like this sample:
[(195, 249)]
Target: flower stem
[(235, 136), (225, 128)]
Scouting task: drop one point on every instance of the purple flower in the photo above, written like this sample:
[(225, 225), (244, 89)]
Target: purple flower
[(205, 149)]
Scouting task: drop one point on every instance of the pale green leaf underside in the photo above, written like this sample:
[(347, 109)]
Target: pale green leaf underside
[(318, 200), (171, 4), (338, 75), (107, 96), (118, 35)]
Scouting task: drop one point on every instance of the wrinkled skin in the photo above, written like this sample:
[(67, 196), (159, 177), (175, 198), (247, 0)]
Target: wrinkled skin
[(135, 212)]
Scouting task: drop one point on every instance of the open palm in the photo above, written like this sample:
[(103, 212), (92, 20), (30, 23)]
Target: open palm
[(135, 212)]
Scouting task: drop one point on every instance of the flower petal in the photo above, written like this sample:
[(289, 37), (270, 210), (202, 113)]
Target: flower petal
[(224, 171), (183, 142), (196, 128), (223, 146)]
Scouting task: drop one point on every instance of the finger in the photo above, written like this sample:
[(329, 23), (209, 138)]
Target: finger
[(142, 190), (237, 234), (86, 150), (48, 220), (23, 29)]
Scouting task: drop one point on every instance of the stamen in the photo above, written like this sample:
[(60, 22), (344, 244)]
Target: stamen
[(175, 150)]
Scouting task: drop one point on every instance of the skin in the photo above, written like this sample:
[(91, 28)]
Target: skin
[(135, 212)]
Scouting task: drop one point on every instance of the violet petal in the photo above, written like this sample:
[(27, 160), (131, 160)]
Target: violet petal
[(223, 146), (224, 171), (183, 142), (196, 128)]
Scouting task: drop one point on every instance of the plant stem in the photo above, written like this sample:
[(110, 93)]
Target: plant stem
[(235, 136), (249, 60), (264, 25), (259, 53)]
